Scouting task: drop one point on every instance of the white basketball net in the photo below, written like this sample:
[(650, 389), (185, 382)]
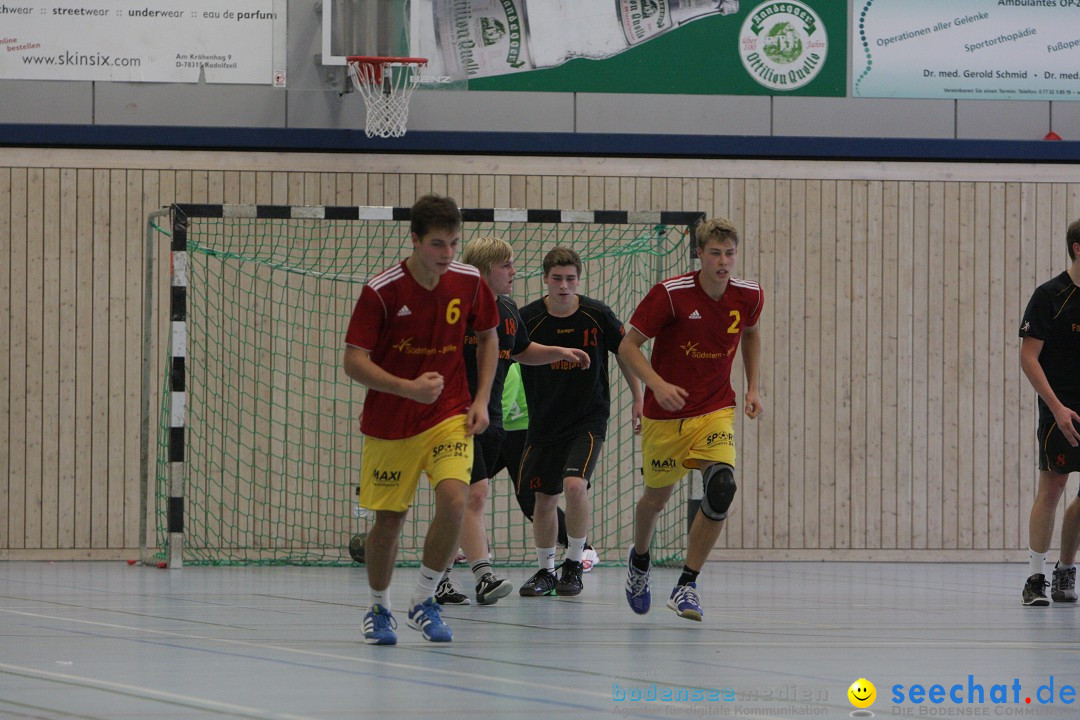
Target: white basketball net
[(386, 87)]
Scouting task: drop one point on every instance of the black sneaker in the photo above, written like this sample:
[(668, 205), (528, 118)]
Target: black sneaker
[(1035, 591), (570, 581), (1063, 587), (541, 583), (447, 594), (491, 588)]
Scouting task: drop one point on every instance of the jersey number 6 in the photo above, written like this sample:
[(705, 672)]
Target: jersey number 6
[(453, 311)]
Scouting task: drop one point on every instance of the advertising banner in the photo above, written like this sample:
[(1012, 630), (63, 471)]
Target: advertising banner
[(237, 41), (967, 49), (704, 47)]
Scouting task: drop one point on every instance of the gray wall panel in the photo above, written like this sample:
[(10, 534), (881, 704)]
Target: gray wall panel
[(190, 105), (1002, 119), (454, 110), (673, 114), (37, 101), (862, 117)]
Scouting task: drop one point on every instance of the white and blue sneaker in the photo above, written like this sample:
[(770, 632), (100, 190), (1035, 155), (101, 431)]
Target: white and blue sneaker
[(638, 592), (425, 618), (684, 601), (379, 626)]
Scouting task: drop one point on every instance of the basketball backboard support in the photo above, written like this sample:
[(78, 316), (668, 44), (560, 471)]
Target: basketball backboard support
[(363, 27)]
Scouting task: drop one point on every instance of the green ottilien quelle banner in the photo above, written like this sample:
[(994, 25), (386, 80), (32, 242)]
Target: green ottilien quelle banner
[(703, 47)]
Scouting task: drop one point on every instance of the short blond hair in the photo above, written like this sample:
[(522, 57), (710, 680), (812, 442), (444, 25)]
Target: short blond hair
[(716, 229), (485, 252)]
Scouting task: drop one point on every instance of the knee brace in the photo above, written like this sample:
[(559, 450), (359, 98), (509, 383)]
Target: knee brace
[(719, 481)]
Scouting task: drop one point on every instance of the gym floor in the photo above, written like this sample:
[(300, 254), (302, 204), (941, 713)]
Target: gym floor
[(779, 640)]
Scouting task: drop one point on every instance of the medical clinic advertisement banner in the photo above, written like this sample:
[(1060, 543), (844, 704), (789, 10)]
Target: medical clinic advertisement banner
[(237, 41), (718, 47), (967, 49)]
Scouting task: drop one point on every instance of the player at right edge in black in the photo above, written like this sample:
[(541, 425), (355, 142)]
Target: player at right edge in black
[(1050, 358)]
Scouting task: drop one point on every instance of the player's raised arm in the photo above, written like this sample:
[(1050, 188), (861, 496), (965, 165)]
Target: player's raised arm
[(359, 366)]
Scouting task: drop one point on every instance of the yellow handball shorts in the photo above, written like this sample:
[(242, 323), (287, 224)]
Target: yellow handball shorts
[(390, 469), (670, 447)]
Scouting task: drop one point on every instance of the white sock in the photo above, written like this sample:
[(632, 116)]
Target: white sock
[(1036, 563), (480, 568), (380, 597), (426, 582), (1063, 566), (445, 574), (575, 548), (545, 558)]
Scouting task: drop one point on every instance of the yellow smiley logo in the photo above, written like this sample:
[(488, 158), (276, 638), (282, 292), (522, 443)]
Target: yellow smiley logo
[(862, 693)]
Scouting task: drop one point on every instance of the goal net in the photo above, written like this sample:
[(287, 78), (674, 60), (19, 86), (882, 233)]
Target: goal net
[(259, 444)]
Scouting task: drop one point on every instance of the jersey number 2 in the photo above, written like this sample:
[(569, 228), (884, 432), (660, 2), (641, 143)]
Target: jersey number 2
[(735, 317)]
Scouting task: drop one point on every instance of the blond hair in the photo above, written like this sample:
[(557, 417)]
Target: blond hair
[(486, 252), (716, 229)]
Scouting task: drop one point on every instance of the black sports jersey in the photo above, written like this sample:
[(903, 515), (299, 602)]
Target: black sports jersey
[(513, 339), (565, 400), (1053, 316)]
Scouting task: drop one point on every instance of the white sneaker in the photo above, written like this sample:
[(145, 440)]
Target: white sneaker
[(589, 559)]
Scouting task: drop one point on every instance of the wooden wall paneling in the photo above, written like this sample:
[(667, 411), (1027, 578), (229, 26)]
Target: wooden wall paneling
[(154, 196), (231, 187), (792, 250), (84, 356), (279, 188), (887, 269), (999, 342), (935, 389), (470, 190), (19, 359), (906, 267), (113, 369), (966, 368), (517, 196), (7, 398), (343, 189), (812, 318), (1031, 276), (776, 211), (135, 271), (295, 188), (264, 187), (312, 184), (627, 193), (951, 369), (248, 188), (1017, 288), (578, 193), (502, 191), (921, 321), (485, 191), (34, 351), (215, 186), (859, 359), (50, 361), (830, 325), (985, 346), (761, 204), (872, 423), (440, 184), (844, 352), (99, 418), (200, 186), (328, 188), (67, 262)]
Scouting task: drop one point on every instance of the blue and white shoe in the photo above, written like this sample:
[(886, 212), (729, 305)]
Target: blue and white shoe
[(685, 602), (638, 592), (379, 626), (425, 618)]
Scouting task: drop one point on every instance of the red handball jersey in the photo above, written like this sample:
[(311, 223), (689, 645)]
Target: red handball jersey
[(695, 338), (410, 330)]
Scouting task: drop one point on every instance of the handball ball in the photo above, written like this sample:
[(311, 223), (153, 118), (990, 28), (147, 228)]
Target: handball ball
[(356, 547)]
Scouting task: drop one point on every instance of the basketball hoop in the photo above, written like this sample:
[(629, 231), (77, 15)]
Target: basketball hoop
[(386, 84)]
